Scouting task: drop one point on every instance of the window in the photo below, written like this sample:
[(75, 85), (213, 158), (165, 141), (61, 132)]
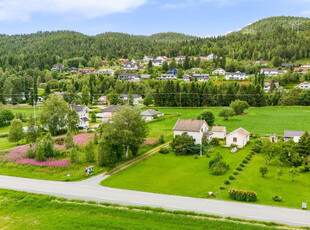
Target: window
[(235, 139)]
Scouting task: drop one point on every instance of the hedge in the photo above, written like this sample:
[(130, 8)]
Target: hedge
[(241, 195)]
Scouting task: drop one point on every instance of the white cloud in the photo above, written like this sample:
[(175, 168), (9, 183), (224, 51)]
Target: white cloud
[(25, 9)]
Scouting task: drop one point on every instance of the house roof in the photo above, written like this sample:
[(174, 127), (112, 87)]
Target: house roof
[(145, 76), (84, 119), (305, 82), (126, 95), (240, 131), (219, 129), (293, 133), (268, 84), (190, 125), (78, 108), (150, 112), (110, 108), (129, 75), (107, 115)]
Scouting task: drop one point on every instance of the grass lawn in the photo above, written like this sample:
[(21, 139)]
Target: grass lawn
[(292, 193), (261, 121), (20, 210), (177, 175), (5, 144)]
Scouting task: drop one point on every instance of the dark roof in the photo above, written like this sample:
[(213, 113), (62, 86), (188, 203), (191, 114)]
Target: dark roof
[(110, 108), (150, 112), (77, 108), (129, 75), (190, 125)]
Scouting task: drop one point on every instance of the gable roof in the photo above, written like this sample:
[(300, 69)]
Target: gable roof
[(110, 108), (78, 108), (150, 112), (293, 133), (190, 125), (240, 131), (219, 129)]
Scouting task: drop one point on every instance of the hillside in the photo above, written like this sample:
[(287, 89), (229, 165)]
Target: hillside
[(270, 24), (170, 37)]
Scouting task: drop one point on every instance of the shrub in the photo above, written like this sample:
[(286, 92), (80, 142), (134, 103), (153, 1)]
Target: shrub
[(263, 171), (31, 153), (241, 195), (215, 142), (257, 147), (248, 158), (164, 150), (74, 155), (216, 159), (241, 165), (40, 152), (219, 168), (239, 168), (226, 182), (304, 168), (231, 177), (69, 140), (235, 172), (245, 161), (222, 187), (195, 156), (277, 198), (161, 139), (90, 152)]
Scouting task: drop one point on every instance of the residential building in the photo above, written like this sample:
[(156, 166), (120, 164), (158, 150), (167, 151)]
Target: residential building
[(167, 77), (146, 59), (211, 57), (145, 76), (306, 66), (122, 60), (150, 114), (107, 113), (236, 76), (172, 71), (203, 79), (194, 128), (188, 78), (269, 85), (106, 71), (197, 70), (218, 132), (295, 135), (272, 72), (162, 58), (273, 138), (103, 100), (240, 137), (303, 85), (86, 70), (287, 65), (130, 65), (58, 67), (301, 70), (129, 77), (157, 62), (83, 112), (136, 98), (219, 71), (262, 63), (141, 68), (179, 59)]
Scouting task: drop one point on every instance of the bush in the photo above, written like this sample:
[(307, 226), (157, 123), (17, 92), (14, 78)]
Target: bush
[(31, 153), (231, 177), (222, 187), (195, 156), (40, 152), (241, 165), (277, 198), (164, 150), (257, 147), (304, 168), (241, 195), (226, 182), (239, 168), (219, 168), (215, 142), (216, 159), (248, 158), (69, 143), (90, 152), (245, 161), (74, 155), (161, 139), (235, 172)]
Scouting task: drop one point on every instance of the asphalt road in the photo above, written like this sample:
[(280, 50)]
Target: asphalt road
[(90, 190)]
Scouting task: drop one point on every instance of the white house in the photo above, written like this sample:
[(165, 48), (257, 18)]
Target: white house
[(83, 113), (211, 57), (304, 85), (236, 76), (218, 132), (146, 59), (145, 76), (150, 114), (272, 72), (129, 77), (219, 71), (188, 78), (239, 137), (106, 71), (162, 58), (295, 135), (179, 59), (107, 112), (194, 128), (157, 62), (136, 98), (268, 85), (130, 65), (167, 77)]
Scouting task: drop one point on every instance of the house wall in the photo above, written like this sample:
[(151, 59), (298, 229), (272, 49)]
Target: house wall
[(196, 135), (241, 140), (219, 135)]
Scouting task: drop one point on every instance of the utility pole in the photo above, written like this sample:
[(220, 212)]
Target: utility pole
[(34, 112), (201, 137)]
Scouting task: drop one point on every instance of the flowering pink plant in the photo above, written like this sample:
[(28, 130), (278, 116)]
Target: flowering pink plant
[(49, 162)]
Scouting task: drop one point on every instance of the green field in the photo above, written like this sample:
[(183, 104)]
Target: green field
[(28, 211), (261, 121), (176, 175)]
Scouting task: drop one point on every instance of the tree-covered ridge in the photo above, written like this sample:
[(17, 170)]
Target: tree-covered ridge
[(171, 37), (272, 23)]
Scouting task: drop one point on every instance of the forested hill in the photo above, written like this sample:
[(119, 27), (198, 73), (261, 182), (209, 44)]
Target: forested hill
[(43, 49), (273, 23)]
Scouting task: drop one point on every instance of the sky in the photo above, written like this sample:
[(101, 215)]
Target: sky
[(203, 18)]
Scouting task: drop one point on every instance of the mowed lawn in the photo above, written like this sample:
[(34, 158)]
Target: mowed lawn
[(176, 175), (28, 211), (260, 121)]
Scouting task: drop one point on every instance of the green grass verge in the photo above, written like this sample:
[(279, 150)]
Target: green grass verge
[(19, 210)]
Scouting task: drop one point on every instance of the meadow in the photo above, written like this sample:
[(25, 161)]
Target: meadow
[(19, 210)]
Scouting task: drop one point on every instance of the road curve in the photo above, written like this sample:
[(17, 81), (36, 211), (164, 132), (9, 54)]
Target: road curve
[(95, 192)]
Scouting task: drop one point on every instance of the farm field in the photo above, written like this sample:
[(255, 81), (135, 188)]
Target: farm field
[(20, 210), (260, 121)]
